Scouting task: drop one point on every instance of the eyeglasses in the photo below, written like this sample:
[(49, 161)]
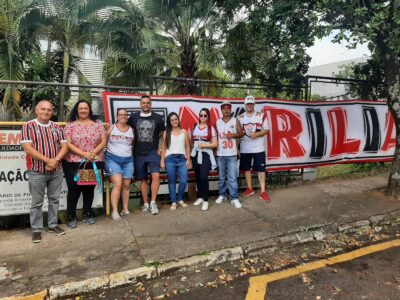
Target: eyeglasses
[(122, 115), (203, 116)]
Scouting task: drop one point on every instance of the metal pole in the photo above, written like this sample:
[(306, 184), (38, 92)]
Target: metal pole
[(306, 89)]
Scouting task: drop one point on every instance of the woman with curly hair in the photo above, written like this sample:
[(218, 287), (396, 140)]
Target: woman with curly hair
[(86, 140)]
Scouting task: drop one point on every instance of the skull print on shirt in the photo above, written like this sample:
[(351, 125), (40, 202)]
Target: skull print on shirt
[(145, 129)]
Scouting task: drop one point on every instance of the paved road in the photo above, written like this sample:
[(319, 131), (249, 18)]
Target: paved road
[(372, 275), (375, 276)]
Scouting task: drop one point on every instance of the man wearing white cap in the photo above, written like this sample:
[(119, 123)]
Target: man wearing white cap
[(252, 147), (228, 130)]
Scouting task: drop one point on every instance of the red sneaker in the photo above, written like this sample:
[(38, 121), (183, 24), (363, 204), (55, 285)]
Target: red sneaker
[(248, 192), (264, 196)]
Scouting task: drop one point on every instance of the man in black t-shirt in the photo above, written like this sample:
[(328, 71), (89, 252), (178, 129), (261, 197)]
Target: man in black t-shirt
[(148, 127)]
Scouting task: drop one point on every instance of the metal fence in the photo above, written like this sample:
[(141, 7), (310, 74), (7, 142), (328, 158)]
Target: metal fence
[(164, 85), (314, 88), (28, 93), (331, 88)]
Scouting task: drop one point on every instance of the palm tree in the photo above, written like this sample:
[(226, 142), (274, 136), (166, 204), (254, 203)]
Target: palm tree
[(129, 49), (18, 37), (72, 25), (192, 30)]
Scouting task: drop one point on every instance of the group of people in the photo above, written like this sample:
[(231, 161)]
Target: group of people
[(139, 146)]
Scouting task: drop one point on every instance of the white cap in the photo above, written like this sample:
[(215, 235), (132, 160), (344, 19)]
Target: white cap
[(226, 102), (249, 99)]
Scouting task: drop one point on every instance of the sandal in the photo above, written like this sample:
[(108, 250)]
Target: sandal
[(115, 216), (183, 204), (124, 213), (173, 206)]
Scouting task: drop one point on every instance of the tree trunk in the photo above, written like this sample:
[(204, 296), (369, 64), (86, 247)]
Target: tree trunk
[(389, 54), (189, 67), (392, 87)]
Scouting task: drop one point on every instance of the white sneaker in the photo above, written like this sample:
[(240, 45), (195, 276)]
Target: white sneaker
[(146, 208), (153, 208), (236, 203), (205, 205), (182, 203), (220, 199), (198, 201)]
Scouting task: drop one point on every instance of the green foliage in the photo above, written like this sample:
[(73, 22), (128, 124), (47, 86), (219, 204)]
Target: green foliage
[(131, 51), (371, 77), (191, 32), (267, 41), (18, 26), (72, 24), (38, 68)]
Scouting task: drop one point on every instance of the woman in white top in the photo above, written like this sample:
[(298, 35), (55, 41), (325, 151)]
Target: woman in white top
[(204, 139), (175, 158), (119, 162)]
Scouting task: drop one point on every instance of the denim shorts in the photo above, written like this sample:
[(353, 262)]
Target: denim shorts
[(119, 165)]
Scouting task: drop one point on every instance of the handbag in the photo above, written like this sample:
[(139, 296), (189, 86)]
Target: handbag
[(87, 176)]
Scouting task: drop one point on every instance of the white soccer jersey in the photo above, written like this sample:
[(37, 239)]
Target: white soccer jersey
[(253, 123), (200, 135), (226, 147)]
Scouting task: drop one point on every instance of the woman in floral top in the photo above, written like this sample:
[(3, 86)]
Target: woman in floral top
[(86, 140)]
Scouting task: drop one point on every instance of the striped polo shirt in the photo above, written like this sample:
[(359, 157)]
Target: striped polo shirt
[(46, 139)]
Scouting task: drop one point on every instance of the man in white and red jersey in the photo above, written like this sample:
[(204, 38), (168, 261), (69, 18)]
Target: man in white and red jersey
[(252, 147), (228, 131), (45, 146)]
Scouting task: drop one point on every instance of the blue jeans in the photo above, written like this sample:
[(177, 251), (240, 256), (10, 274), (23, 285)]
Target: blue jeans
[(175, 164), (227, 166)]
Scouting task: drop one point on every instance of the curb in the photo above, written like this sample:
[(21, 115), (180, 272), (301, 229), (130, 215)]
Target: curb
[(212, 258), (38, 296)]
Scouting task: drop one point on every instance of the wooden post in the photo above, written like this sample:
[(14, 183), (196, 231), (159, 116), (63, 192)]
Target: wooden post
[(108, 196)]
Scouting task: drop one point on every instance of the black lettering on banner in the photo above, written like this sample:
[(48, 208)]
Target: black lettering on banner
[(317, 133), (371, 130), (3, 176), (238, 111)]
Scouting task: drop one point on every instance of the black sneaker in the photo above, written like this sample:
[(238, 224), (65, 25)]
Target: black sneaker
[(57, 230), (36, 237)]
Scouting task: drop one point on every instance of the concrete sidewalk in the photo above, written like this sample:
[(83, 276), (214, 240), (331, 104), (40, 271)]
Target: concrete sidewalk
[(175, 239)]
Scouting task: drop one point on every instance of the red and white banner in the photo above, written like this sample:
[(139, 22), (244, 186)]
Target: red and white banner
[(302, 134)]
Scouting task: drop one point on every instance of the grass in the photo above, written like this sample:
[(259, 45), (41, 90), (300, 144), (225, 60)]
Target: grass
[(155, 264), (352, 170)]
